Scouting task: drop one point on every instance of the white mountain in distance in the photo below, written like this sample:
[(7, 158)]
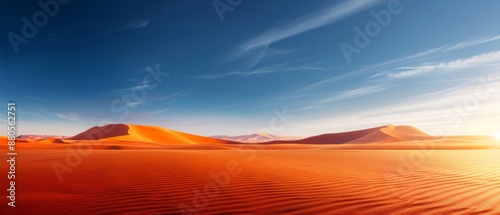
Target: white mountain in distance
[(39, 137), (258, 137)]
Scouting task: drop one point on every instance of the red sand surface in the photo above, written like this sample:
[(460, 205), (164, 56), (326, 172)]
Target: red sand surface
[(133, 169), (266, 182)]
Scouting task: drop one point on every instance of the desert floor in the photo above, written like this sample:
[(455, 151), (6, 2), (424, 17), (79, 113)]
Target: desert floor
[(269, 181)]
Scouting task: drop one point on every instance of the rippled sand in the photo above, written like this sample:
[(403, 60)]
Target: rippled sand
[(262, 181)]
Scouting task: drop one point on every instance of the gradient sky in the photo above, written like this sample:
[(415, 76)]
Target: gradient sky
[(433, 65)]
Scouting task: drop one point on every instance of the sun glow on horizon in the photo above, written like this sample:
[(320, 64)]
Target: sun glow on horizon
[(497, 136)]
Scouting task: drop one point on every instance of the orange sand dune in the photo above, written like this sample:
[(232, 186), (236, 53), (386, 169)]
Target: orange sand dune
[(260, 182), (107, 131), (384, 134), (141, 133), (51, 140), (336, 138), (122, 136)]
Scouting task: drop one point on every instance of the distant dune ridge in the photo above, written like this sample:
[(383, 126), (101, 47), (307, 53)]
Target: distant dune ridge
[(51, 140), (383, 134), (255, 138), (39, 137), (156, 135)]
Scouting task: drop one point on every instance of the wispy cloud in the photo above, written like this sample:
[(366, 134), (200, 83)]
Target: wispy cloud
[(383, 71), (470, 43), (139, 83), (138, 86), (353, 93), (130, 26), (476, 60), (172, 96), (259, 71), (427, 67), (300, 25), (70, 116), (377, 68), (279, 52), (343, 95), (308, 68), (151, 114), (439, 110), (408, 58)]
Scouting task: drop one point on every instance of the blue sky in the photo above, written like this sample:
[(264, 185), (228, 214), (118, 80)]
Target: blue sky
[(274, 66)]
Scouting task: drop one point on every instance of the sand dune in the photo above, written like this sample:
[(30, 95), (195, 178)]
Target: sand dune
[(141, 133), (384, 134), (334, 138), (395, 135), (123, 136), (107, 131), (51, 140)]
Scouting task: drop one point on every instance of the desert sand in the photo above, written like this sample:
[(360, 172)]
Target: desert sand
[(135, 169), (276, 181)]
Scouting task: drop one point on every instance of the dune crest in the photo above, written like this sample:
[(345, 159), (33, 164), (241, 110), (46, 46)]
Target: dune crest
[(101, 132), (51, 140), (142, 133)]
